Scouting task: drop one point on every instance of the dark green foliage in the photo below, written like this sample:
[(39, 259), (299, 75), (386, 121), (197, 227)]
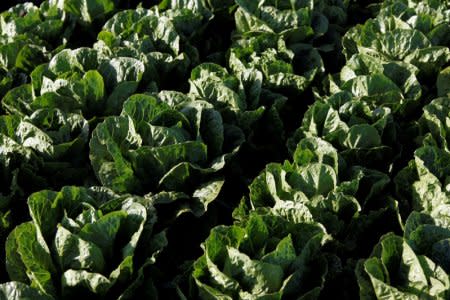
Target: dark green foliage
[(225, 149)]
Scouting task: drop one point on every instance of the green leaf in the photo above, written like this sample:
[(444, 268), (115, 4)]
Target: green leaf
[(76, 253), (28, 259), (121, 69), (14, 290), (77, 60), (204, 195), (257, 231), (103, 232), (118, 96), (443, 82), (106, 156), (93, 282), (429, 60), (88, 11), (18, 100), (254, 276), (313, 149), (362, 136), (29, 57), (283, 255), (314, 179)]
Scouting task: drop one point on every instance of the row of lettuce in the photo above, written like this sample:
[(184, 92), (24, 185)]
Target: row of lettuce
[(103, 148), (31, 34), (361, 209), (106, 148)]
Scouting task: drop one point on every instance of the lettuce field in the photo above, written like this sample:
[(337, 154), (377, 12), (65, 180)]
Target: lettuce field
[(225, 149)]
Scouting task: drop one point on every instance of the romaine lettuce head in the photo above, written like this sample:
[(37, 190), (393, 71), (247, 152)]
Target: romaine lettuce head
[(29, 36), (363, 136), (396, 271), (47, 25), (78, 81), (424, 183), (84, 242), (428, 234), (155, 147), (319, 186), (41, 151), (295, 21), (435, 123), (242, 100), (262, 257), (284, 70), (156, 40), (393, 39), (429, 16), (381, 83)]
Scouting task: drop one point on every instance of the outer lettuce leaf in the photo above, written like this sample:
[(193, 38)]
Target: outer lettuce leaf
[(442, 83), (86, 12), (15, 290)]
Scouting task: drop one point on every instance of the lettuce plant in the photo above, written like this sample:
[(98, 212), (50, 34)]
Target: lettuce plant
[(430, 17), (156, 147), (434, 123), (424, 182), (395, 271), (242, 100), (363, 136), (391, 38), (29, 35), (380, 83), (282, 68), (307, 187), (428, 233), (263, 257), (151, 38), (41, 151), (295, 21), (78, 81), (83, 242), (134, 129)]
